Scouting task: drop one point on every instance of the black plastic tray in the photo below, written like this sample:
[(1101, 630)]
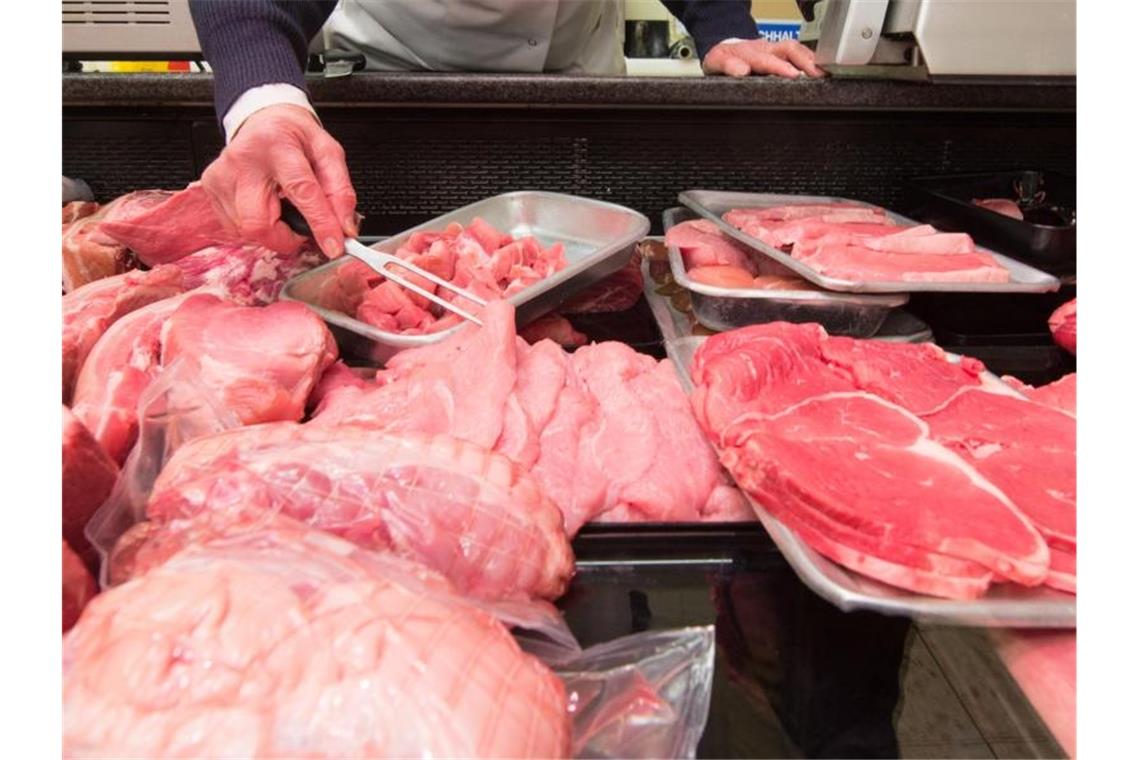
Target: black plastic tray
[(947, 202)]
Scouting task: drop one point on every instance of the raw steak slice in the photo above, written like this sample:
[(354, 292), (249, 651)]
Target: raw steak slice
[(860, 263), (89, 474), (290, 643), (782, 282), (162, 226), (553, 327), (891, 480), (1002, 206), (117, 371), (1062, 570), (261, 363), (1059, 394), (90, 310), (618, 292), (78, 587), (1027, 450), (916, 376), (1063, 325), (804, 210), (701, 243), (721, 276), (470, 514)]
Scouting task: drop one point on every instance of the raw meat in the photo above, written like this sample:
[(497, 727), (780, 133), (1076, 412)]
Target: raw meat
[(1002, 206), (856, 262), (90, 310), (1060, 394), (781, 282), (1026, 449), (1044, 665), (78, 587), (479, 258), (618, 292), (245, 275), (805, 210), (288, 642), (117, 371), (89, 474), (606, 431), (338, 376), (77, 210), (260, 363), (553, 327), (701, 243), (468, 513), (162, 226), (89, 255), (860, 477), (721, 276), (1063, 325)]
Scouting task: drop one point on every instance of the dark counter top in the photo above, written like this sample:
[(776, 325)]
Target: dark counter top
[(523, 90)]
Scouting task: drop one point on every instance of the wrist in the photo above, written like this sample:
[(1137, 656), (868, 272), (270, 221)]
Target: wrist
[(258, 98)]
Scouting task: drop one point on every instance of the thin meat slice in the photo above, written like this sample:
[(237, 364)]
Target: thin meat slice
[(466, 512), (721, 276), (617, 292), (781, 282), (860, 263), (804, 210), (1026, 449), (556, 328), (1063, 325), (807, 450), (284, 642), (1002, 206), (89, 474), (1060, 394), (1062, 570), (702, 243), (89, 311)]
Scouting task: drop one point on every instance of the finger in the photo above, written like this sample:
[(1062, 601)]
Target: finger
[(259, 216), (766, 63), (734, 66), (799, 54), (219, 187), (299, 184), (328, 159)]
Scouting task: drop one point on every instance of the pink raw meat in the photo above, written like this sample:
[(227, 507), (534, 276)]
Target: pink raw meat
[(1044, 665), (89, 474), (857, 262), (286, 642), (77, 210), (781, 282), (721, 276), (701, 243), (618, 292), (89, 255), (923, 239), (804, 210), (801, 231), (1027, 450), (245, 275), (261, 362), (78, 587), (119, 368), (90, 310), (554, 327), (1002, 206), (336, 378), (1060, 394), (1063, 325), (466, 512), (162, 226)]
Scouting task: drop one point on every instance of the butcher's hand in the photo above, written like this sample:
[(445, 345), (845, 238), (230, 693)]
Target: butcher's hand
[(282, 150), (786, 58)]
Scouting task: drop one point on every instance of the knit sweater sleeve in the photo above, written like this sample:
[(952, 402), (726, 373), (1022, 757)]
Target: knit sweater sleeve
[(254, 42), (710, 21)]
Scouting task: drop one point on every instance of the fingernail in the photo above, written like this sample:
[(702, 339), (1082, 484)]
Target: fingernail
[(331, 247), (350, 227)]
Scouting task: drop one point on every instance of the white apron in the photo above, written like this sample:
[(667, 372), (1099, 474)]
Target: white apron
[(517, 36)]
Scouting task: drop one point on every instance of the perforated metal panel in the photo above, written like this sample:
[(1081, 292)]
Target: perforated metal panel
[(128, 26)]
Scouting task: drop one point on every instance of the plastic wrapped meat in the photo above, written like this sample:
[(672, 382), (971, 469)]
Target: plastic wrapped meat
[(287, 642), (89, 474), (466, 512)]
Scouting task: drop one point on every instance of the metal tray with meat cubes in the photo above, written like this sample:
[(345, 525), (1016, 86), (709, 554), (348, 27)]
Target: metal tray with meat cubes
[(712, 204), (598, 239), (1004, 605)]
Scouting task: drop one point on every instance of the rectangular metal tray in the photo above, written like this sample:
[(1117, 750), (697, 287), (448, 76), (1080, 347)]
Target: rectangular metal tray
[(598, 237), (1005, 605), (721, 309), (946, 201), (711, 204)]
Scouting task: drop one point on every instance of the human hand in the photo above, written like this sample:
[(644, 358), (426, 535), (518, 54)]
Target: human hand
[(282, 150), (786, 58)]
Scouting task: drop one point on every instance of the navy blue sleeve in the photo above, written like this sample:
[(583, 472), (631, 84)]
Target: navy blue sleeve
[(249, 43), (710, 21)]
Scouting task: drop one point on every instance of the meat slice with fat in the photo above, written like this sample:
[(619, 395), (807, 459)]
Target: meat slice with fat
[(286, 642)]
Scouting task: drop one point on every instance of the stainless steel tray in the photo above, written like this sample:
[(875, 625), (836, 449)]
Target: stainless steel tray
[(599, 239), (711, 204), (720, 309), (1005, 605)]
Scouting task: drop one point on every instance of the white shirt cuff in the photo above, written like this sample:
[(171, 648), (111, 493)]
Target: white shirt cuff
[(257, 98)]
